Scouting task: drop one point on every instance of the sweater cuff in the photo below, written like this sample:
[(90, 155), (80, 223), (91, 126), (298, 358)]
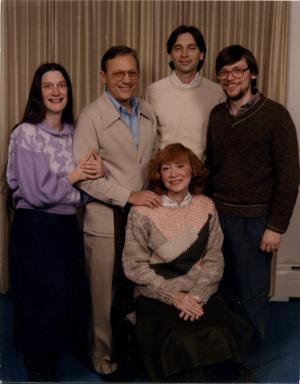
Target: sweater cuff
[(274, 229), (167, 292), (204, 293)]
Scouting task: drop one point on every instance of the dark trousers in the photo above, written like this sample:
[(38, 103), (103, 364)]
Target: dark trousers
[(123, 302), (49, 285), (247, 274)]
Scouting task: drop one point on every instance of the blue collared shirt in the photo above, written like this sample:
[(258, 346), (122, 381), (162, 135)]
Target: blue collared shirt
[(130, 119)]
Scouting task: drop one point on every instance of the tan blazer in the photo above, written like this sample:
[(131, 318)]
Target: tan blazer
[(99, 127)]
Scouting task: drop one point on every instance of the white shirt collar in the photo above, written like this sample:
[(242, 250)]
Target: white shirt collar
[(169, 203), (193, 84)]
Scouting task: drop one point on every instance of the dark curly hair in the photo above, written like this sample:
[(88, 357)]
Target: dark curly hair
[(173, 152)]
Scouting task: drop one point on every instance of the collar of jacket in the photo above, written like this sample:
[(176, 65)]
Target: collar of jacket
[(110, 115)]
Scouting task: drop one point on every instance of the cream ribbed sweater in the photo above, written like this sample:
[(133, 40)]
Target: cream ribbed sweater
[(182, 112)]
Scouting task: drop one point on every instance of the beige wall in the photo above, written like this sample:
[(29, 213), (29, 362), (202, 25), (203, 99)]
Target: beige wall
[(290, 249)]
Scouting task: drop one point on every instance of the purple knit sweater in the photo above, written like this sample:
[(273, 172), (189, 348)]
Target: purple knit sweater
[(39, 160)]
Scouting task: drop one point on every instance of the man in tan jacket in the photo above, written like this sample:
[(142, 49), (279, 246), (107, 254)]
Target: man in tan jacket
[(123, 131)]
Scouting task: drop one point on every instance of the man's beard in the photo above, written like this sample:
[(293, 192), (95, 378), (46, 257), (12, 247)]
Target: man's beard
[(237, 97)]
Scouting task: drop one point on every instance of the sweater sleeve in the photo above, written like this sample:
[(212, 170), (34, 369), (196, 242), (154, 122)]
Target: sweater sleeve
[(30, 177), (136, 259), (285, 157), (206, 274)]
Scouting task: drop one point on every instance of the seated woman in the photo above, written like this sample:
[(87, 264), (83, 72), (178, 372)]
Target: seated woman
[(173, 255)]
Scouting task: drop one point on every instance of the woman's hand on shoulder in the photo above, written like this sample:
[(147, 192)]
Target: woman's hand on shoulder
[(190, 306), (90, 167)]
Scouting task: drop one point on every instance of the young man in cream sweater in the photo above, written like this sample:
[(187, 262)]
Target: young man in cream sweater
[(183, 100)]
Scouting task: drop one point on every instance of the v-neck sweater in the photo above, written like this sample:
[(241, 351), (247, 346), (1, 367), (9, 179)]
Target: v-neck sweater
[(253, 161)]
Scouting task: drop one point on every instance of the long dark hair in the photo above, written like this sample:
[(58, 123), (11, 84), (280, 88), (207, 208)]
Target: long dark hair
[(35, 110), (35, 113)]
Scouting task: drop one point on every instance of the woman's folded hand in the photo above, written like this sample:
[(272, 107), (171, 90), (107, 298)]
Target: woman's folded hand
[(190, 306)]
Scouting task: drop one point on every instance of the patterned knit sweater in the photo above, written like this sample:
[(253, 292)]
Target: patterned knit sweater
[(168, 250), (39, 160)]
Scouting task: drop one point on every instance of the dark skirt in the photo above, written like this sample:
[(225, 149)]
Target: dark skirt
[(170, 345), (49, 284)]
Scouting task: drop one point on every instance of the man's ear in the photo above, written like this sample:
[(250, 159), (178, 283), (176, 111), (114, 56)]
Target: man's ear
[(103, 77)]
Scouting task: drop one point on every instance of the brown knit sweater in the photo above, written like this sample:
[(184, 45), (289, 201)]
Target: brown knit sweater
[(254, 163), (168, 250)]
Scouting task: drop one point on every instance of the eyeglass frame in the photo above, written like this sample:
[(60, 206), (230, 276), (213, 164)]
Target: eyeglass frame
[(243, 70), (133, 75)]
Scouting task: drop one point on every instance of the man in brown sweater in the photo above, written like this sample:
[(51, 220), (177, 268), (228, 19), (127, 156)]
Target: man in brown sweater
[(252, 156)]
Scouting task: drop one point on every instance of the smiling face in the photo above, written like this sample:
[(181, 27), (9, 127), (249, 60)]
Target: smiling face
[(121, 78), (237, 89), (176, 176), (54, 92), (186, 54)]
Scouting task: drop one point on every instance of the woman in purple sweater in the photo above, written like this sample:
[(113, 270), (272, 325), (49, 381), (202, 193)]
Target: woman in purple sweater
[(46, 249)]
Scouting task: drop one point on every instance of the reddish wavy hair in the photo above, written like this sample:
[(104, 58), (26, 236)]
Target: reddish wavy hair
[(175, 152)]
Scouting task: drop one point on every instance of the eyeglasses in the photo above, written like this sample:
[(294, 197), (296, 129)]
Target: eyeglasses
[(119, 76), (237, 73)]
